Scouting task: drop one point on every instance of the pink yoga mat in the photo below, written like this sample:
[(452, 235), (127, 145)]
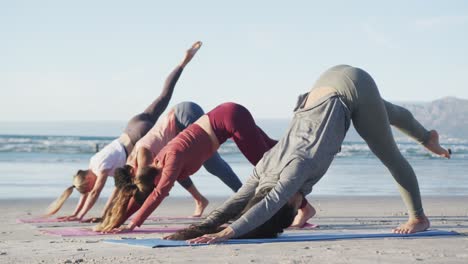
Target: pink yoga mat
[(161, 218), (37, 220), (69, 232)]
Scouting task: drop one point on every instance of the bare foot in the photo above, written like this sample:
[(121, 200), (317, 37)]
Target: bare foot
[(413, 225), (196, 46), (433, 145), (303, 214), (200, 207), (191, 53)]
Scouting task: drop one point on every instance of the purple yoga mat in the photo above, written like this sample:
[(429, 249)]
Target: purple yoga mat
[(69, 232)]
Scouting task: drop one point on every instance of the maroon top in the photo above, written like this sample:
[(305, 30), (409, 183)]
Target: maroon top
[(179, 159)]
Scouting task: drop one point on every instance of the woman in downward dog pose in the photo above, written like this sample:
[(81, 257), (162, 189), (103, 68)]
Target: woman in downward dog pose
[(268, 201), (179, 118), (182, 157), (90, 182)]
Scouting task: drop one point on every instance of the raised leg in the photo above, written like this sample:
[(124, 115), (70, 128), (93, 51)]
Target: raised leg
[(402, 119)]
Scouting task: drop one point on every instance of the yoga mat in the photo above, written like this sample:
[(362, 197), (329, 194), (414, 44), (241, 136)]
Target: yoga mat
[(62, 224), (159, 218), (71, 232), (283, 238), (37, 220), (42, 220), (79, 231)]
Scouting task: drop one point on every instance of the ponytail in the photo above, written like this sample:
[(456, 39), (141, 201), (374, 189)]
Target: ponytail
[(114, 217), (80, 183), (57, 204)]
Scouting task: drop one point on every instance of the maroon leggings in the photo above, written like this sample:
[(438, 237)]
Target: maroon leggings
[(230, 120)]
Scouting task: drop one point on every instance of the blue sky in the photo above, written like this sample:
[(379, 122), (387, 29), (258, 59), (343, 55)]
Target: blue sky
[(106, 60)]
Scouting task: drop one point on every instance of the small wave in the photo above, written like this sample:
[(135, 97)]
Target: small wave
[(51, 144), (88, 145)]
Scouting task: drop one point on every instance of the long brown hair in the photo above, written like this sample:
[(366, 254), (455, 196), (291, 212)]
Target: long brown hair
[(80, 183), (141, 188), (276, 224), (270, 229)]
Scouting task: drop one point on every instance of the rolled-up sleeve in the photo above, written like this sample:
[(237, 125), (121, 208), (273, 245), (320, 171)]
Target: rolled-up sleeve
[(234, 205)]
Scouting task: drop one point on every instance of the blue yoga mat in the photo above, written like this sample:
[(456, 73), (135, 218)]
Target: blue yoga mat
[(156, 242)]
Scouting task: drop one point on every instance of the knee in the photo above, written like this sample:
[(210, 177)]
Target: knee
[(188, 112), (139, 117), (189, 107)]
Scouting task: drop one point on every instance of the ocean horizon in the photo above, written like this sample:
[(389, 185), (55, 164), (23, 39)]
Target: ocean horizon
[(38, 160)]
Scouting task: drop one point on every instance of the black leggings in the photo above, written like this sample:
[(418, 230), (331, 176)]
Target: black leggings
[(140, 124)]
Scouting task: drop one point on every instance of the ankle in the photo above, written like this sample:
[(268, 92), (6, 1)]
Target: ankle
[(419, 218)]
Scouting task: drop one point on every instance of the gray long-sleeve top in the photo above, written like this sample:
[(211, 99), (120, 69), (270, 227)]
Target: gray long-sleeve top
[(293, 165)]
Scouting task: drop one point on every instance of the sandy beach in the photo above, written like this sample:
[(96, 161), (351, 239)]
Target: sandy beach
[(24, 243)]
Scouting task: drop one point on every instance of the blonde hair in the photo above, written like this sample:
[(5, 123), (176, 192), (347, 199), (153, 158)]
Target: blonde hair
[(114, 217), (80, 182), (140, 190)]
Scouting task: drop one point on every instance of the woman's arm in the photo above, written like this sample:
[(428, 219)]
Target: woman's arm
[(234, 205), (229, 210), (291, 180), (93, 195), (78, 207), (170, 173), (106, 207)]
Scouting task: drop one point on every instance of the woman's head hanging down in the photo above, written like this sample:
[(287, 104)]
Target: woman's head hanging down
[(289, 170), (271, 228)]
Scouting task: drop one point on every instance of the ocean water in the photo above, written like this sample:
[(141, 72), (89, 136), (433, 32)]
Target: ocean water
[(37, 163)]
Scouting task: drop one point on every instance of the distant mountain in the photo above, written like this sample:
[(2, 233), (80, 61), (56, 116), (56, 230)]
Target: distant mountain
[(449, 116)]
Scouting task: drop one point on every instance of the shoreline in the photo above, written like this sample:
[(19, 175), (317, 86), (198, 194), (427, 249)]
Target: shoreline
[(225, 197), (23, 243)]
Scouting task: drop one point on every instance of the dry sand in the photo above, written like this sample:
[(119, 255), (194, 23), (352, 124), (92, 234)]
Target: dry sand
[(23, 243)]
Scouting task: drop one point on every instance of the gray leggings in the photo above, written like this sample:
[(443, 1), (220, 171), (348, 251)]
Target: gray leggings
[(187, 113), (371, 117)]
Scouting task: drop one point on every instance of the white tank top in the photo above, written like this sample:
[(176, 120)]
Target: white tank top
[(112, 156)]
